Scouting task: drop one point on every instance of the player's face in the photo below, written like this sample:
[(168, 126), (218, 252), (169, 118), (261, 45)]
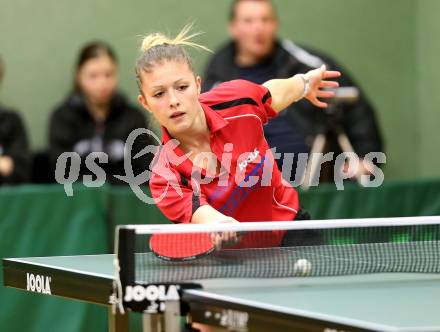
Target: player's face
[(254, 27), (97, 79), (171, 93)]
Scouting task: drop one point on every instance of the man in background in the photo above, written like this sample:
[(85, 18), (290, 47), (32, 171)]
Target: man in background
[(256, 54), (14, 152)]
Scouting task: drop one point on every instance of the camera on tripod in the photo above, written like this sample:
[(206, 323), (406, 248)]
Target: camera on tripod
[(331, 127)]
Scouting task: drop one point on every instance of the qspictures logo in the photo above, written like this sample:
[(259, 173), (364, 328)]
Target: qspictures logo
[(348, 166), (38, 283)]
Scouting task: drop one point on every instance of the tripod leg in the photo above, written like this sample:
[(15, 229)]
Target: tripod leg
[(345, 145), (312, 164)]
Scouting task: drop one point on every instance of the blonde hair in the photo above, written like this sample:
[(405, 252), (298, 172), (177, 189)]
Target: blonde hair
[(183, 38), (157, 47)]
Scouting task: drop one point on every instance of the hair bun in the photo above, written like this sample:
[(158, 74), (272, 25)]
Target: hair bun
[(154, 39), (182, 39)]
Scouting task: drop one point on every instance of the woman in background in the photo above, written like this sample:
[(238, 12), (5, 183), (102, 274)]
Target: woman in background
[(14, 151), (95, 117)]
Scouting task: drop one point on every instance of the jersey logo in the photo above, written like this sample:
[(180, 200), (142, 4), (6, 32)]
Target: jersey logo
[(242, 191), (243, 164)]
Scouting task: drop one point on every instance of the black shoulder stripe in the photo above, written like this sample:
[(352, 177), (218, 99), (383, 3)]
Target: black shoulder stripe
[(195, 202), (266, 97), (235, 102), (184, 180)]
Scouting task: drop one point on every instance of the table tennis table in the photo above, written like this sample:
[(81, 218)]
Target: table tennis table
[(370, 302)]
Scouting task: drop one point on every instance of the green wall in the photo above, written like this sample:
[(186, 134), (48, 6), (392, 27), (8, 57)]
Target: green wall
[(429, 78), (388, 46)]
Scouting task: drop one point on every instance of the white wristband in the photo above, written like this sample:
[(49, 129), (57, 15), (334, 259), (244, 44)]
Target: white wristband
[(306, 84)]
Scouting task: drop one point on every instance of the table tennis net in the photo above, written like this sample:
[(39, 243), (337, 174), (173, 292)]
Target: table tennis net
[(341, 249)]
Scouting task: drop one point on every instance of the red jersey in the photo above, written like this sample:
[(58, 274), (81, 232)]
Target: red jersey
[(251, 188)]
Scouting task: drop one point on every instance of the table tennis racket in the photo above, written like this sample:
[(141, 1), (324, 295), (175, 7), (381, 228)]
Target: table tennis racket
[(181, 247)]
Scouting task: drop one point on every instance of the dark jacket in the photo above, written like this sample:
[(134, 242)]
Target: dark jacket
[(72, 129), (294, 129), (14, 143)]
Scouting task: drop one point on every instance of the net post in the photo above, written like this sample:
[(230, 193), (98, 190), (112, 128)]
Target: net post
[(126, 239)]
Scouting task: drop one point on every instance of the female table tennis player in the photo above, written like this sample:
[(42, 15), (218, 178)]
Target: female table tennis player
[(219, 167)]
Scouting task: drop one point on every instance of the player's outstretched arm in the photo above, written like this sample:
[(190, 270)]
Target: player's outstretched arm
[(310, 86), (206, 214)]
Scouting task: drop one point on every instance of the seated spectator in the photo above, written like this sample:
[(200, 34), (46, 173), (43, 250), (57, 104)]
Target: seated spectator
[(95, 117), (256, 54), (14, 151)]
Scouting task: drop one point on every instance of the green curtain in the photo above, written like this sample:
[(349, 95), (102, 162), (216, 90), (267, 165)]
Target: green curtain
[(392, 199), (43, 221)]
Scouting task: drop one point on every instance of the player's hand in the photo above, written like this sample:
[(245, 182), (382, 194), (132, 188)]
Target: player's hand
[(225, 239), (6, 165), (318, 83), (363, 167)]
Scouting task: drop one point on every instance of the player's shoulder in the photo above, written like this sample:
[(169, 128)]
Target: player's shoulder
[(232, 90), (233, 85)]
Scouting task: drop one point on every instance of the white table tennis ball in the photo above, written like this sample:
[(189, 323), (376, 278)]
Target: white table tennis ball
[(302, 267)]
